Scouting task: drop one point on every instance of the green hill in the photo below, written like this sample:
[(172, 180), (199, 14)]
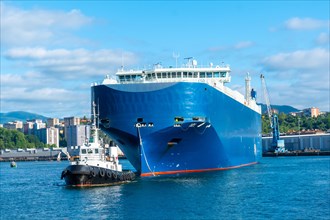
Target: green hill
[(281, 108), (19, 116)]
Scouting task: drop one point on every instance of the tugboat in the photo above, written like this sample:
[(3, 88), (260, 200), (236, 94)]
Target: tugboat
[(92, 164)]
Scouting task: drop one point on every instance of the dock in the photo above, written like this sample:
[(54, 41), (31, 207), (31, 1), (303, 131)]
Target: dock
[(296, 153), (299, 145), (43, 154)]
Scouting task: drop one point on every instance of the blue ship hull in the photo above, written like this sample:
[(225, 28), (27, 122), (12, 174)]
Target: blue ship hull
[(168, 128)]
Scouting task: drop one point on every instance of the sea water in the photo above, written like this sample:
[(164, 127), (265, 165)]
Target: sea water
[(276, 188)]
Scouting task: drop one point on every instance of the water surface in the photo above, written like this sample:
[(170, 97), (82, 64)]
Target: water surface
[(276, 188)]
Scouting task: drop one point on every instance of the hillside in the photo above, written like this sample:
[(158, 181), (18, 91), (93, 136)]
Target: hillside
[(19, 116), (23, 116), (281, 108)]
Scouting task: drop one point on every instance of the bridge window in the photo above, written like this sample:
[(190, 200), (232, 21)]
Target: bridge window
[(190, 74), (202, 74), (138, 77), (159, 75), (184, 74), (209, 75), (128, 78), (216, 74), (195, 74), (173, 75), (223, 74), (164, 75)]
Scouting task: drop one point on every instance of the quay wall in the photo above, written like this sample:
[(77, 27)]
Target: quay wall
[(32, 154), (300, 142)]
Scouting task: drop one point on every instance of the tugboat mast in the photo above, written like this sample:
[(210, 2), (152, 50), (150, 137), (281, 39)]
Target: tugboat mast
[(94, 128)]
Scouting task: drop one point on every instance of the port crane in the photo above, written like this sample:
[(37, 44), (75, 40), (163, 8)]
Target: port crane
[(277, 144)]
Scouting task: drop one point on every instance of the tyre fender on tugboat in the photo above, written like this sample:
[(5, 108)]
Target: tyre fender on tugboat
[(102, 172), (114, 175), (93, 172), (109, 173)]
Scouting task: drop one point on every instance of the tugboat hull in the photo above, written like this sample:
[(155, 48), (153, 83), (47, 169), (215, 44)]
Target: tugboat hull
[(84, 175)]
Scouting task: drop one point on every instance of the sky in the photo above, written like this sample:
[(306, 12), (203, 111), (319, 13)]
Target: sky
[(52, 51)]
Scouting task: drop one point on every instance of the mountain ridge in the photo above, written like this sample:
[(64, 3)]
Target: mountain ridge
[(19, 116), (23, 116), (281, 108)]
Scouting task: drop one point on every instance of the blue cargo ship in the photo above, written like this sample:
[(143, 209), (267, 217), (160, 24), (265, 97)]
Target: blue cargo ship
[(180, 119)]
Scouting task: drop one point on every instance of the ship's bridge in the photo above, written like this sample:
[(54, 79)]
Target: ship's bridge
[(187, 73)]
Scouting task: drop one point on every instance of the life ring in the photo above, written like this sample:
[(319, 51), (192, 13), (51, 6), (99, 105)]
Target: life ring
[(109, 173), (102, 172)]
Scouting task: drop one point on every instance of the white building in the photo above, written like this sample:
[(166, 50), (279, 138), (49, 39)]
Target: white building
[(52, 122), (16, 125), (28, 127), (48, 135), (77, 134)]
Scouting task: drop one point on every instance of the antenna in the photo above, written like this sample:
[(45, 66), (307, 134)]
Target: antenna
[(122, 60), (176, 56), (188, 60)]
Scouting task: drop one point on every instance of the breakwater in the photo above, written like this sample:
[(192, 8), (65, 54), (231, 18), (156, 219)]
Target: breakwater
[(43, 154)]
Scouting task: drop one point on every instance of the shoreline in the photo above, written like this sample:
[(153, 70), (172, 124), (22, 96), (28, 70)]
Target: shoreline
[(265, 154), (296, 153)]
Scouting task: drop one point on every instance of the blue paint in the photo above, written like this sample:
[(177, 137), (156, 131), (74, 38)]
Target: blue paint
[(227, 136)]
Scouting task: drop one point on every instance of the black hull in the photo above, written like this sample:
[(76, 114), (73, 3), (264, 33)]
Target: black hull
[(84, 175)]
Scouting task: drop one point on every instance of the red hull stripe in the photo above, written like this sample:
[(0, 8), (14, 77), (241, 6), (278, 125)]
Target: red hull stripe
[(195, 171)]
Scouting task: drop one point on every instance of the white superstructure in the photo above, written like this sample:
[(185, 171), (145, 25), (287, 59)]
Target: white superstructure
[(214, 75), (92, 153)]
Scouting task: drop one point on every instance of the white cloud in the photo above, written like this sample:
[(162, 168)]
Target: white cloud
[(243, 44), (302, 59), (305, 23), (40, 94), (299, 78), (66, 63), (38, 26), (323, 38), (38, 71), (55, 78)]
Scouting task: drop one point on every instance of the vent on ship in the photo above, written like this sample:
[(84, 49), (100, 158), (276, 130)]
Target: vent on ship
[(173, 142), (178, 119)]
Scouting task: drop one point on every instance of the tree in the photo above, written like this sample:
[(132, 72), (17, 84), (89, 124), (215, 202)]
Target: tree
[(11, 139), (290, 123)]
